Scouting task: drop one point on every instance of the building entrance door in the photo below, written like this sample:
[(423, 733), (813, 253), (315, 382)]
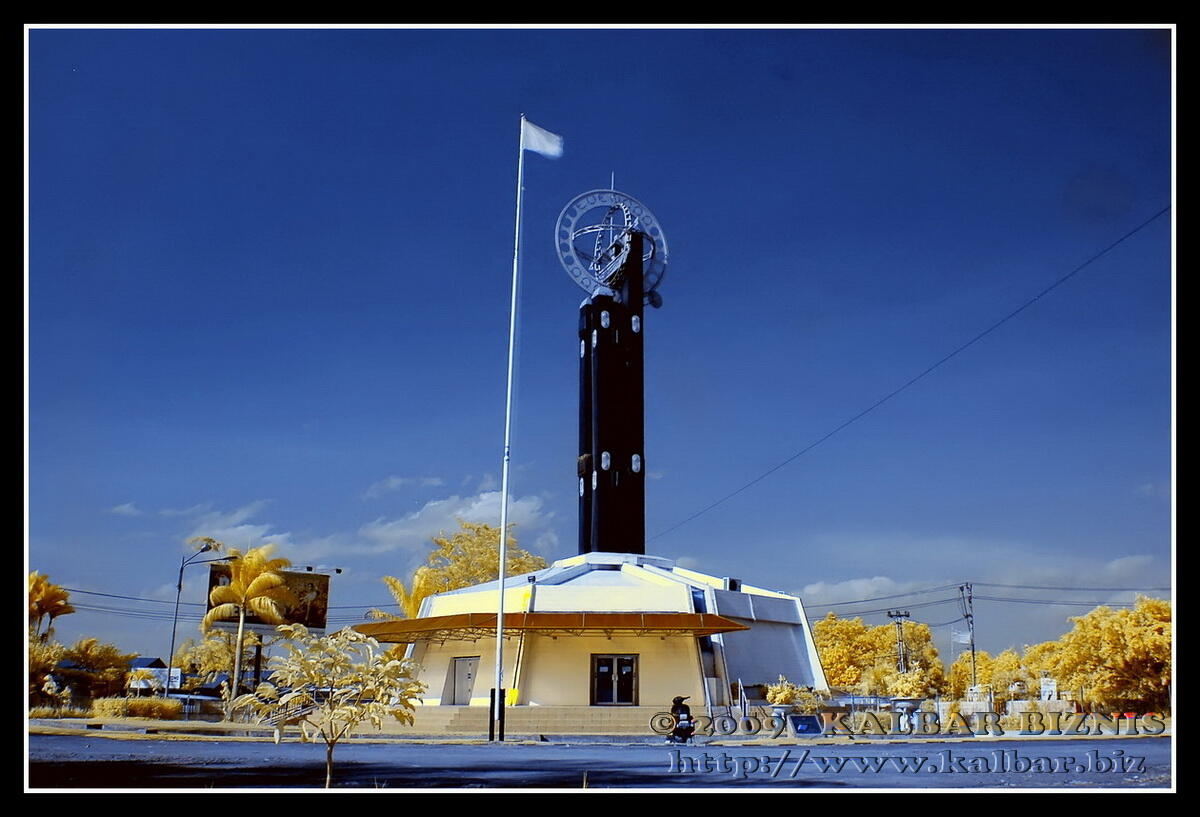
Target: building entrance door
[(464, 679), (614, 680)]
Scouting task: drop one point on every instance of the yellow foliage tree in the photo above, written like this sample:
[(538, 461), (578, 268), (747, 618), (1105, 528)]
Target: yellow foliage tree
[(471, 556), (1121, 658), (44, 656), (1039, 659), (960, 672), (842, 643), (334, 684), (99, 669), (46, 601), (926, 676), (1010, 679), (409, 598), (140, 679), (856, 655), (206, 659)]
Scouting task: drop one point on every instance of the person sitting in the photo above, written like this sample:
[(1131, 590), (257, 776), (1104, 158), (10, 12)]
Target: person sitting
[(685, 727)]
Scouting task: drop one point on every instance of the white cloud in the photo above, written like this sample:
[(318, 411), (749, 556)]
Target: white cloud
[(853, 589), (409, 534), (546, 542), (1153, 489), (394, 483), (413, 531), (1130, 568), (312, 551), (233, 529), (127, 509), (488, 483), (192, 511)]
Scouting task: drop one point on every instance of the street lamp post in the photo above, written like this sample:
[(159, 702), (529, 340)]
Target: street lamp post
[(183, 562)]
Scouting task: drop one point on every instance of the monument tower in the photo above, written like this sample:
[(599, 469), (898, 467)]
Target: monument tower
[(612, 246)]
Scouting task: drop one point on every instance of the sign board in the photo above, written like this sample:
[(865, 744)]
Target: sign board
[(160, 677), (310, 589)]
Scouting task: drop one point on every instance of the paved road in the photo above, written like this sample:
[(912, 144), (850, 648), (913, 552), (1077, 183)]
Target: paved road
[(58, 762)]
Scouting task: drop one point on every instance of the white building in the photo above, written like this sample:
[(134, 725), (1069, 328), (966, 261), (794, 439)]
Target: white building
[(608, 629)]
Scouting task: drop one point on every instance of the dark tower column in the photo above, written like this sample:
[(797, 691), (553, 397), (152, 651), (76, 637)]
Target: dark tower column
[(612, 463)]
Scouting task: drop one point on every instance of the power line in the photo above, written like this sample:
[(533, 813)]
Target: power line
[(1096, 589), (154, 615), (885, 609), (918, 377), (946, 623), (164, 616), (200, 604), (990, 598), (882, 598), (128, 598), (1065, 603)]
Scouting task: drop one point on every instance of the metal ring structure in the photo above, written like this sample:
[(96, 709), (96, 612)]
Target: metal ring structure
[(588, 240)]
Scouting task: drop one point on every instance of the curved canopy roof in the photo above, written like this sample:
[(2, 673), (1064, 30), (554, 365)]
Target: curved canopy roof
[(473, 626)]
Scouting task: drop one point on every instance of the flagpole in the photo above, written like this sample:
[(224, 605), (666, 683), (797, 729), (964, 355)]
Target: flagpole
[(497, 714)]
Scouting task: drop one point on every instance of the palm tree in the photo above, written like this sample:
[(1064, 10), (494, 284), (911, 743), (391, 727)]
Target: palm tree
[(256, 587), (141, 679), (409, 600), (46, 600), (470, 556)]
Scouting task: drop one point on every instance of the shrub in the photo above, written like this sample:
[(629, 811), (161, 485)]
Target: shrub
[(56, 712), (785, 693), (110, 707), (164, 709), (168, 709), (782, 693)]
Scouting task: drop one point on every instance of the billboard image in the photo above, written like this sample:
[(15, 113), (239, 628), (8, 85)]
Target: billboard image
[(310, 589)]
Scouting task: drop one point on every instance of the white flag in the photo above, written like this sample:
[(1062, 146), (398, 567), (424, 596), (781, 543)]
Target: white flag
[(959, 637), (540, 140)]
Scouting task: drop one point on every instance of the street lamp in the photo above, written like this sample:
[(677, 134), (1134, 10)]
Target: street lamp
[(184, 562)]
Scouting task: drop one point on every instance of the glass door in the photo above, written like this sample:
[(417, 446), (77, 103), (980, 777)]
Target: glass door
[(614, 680)]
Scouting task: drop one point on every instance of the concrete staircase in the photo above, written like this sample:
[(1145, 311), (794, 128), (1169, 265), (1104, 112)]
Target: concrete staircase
[(532, 720)]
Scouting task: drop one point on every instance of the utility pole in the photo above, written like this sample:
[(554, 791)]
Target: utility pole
[(968, 611), (901, 651)]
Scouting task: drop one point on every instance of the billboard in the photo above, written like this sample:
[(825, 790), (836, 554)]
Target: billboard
[(310, 589), (160, 678)]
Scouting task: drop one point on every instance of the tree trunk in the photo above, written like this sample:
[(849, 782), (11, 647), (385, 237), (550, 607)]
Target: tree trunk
[(328, 764), (237, 664)]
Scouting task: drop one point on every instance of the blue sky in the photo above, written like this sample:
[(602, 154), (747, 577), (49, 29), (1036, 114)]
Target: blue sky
[(268, 301)]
